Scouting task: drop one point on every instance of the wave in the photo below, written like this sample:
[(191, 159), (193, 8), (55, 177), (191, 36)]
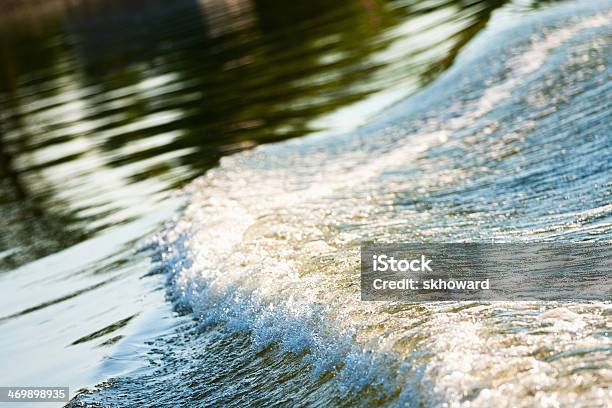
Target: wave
[(512, 143)]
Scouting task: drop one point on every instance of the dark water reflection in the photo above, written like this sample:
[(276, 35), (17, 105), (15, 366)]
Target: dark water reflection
[(105, 106)]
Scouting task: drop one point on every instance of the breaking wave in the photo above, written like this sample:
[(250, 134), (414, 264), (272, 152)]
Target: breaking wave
[(512, 143)]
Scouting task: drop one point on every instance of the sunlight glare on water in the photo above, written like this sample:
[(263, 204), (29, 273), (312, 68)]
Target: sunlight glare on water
[(160, 250), (267, 250)]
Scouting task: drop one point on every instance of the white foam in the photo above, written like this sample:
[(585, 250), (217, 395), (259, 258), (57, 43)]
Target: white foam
[(269, 246)]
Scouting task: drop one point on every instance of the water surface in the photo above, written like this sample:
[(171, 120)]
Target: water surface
[(107, 108)]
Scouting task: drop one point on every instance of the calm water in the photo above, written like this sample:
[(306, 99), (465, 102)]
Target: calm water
[(108, 108)]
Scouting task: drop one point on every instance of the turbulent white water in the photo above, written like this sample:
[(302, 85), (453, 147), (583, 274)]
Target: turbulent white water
[(513, 143)]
